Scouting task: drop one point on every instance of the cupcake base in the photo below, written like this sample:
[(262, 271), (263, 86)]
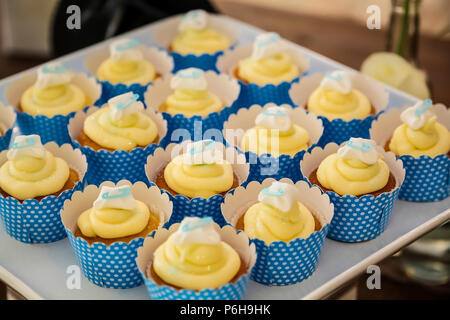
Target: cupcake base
[(152, 225), (69, 185), (387, 188)]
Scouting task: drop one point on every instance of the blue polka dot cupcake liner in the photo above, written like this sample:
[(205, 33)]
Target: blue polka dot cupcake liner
[(427, 178), (33, 221), (49, 128), (195, 207), (167, 30), (162, 62), (230, 291), (266, 165), (252, 93), (361, 218), (113, 265), (283, 263), (105, 165), (222, 85), (7, 120), (339, 130)]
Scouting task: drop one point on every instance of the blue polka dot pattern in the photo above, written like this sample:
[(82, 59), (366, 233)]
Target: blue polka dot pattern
[(281, 263), (115, 166), (5, 139), (110, 266), (360, 219), (35, 222), (205, 61), (230, 291), (49, 129), (427, 179), (253, 94), (196, 207), (338, 130), (110, 90)]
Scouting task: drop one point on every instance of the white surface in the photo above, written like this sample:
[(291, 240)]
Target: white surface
[(40, 270)]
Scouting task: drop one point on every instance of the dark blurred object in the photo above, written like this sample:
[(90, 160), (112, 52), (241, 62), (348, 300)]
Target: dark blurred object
[(102, 19), (403, 34)]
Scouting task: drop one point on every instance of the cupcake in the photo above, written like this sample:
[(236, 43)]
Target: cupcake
[(193, 95), (347, 103), (121, 131), (107, 224), (273, 137), (45, 102), (195, 39), (419, 136), (35, 180), (197, 175), (129, 66), (7, 121), (288, 224), (196, 260), (362, 181), (265, 69)]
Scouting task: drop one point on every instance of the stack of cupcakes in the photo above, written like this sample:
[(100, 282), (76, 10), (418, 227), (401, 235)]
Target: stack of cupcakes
[(201, 164)]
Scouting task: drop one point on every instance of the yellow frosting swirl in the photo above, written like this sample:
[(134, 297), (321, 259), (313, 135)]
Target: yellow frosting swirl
[(192, 102), (126, 71), (196, 266), (432, 139), (28, 177), (270, 70), (133, 130), (198, 180), (352, 176), (59, 99), (333, 104), (199, 41), (110, 223), (267, 223), (259, 141)]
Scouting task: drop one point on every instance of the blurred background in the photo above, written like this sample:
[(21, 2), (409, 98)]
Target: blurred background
[(34, 31)]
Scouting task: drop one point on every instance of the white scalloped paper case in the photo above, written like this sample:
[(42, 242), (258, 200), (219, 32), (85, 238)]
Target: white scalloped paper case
[(54, 128), (225, 87), (111, 266), (162, 62), (266, 165), (252, 93), (229, 291), (195, 207), (427, 178), (120, 164), (166, 31), (282, 263), (361, 218), (338, 130), (32, 221), (7, 121)]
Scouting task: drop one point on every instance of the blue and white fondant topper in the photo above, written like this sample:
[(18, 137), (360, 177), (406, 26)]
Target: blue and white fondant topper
[(116, 198), (203, 152), (52, 74), (124, 104), (337, 80), (194, 19), (125, 49), (416, 116), (279, 195), (364, 150), (190, 78), (274, 117), (196, 230), (266, 45), (26, 146)]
